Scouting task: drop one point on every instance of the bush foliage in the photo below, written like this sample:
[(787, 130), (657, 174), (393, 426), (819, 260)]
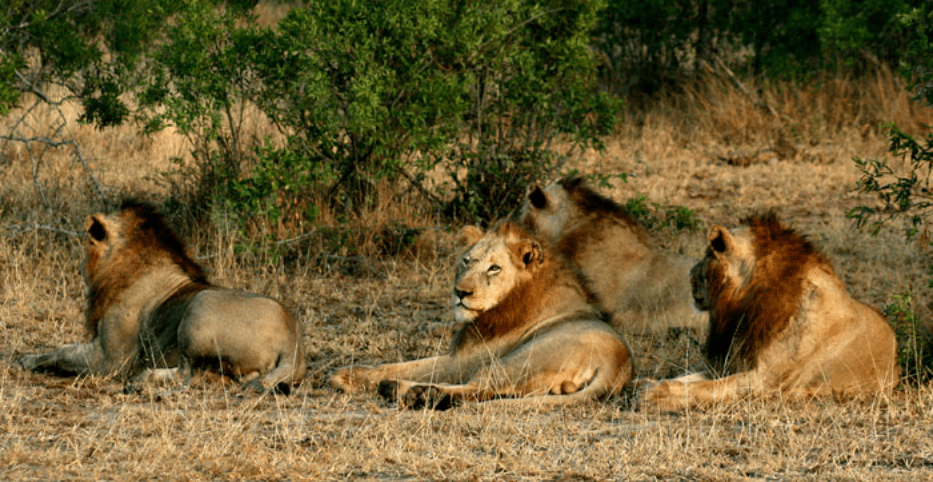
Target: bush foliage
[(361, 94)]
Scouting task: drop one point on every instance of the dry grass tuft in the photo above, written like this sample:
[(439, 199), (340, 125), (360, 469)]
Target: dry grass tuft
[(358, 304)]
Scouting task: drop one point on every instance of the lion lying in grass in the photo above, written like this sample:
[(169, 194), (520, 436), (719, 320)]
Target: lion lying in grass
[(529, 332), (780, 322), (152, 313), (640, 287)]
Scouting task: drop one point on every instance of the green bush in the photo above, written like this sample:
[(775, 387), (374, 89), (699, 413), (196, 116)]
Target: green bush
[(377, 92), (531, 82), (914, 344), (89, 48), (903, 188), (654, 216)]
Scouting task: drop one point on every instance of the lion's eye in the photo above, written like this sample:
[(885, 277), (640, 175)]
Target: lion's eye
[(494, 269), (465, 260)]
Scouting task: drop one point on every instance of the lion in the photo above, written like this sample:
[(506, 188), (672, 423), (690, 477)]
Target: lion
[(640, 287), (529, 334), (780, 322), (153, 315)]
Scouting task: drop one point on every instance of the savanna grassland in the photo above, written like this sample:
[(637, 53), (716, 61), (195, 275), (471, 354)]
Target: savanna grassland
[(711, 148)]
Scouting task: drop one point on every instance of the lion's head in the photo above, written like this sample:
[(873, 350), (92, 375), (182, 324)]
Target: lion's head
[(568, 204), (750, 281), (123, 245), (493, 266)]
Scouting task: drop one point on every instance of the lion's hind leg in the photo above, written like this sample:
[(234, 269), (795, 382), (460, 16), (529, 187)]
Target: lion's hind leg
[(288, 371)]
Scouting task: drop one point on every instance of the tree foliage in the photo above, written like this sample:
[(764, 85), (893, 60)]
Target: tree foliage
[(902, 184), (88, 47), (367, 93)]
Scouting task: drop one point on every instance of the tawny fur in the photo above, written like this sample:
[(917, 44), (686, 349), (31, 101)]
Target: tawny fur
[(528, 333), (640, 287), (151, 313), (781, 323)]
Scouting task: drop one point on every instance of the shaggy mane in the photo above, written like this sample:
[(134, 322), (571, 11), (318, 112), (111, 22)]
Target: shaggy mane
[(151, 234), (744, 320), (523, 304), (149, 239), (591, 202), (599, 209)]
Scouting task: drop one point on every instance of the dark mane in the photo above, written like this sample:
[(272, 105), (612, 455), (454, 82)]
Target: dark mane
[(600, 211), (744, 320), (150, 232), (591, 201)]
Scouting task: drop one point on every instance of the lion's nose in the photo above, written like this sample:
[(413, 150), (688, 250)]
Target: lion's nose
[(462, 294)]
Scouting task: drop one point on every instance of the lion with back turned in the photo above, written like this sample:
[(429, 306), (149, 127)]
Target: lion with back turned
[(153, 315), (528, 333), (639, 286), (780, 322)]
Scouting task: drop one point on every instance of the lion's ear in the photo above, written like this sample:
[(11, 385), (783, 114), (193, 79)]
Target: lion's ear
[(537, 198), (469, 235), (529, 252), (720, 240), (95, 228)]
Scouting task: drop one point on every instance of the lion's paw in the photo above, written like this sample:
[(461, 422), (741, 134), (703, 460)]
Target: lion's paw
[(350, 379), (661, 396), (414, 396), (425, 396)]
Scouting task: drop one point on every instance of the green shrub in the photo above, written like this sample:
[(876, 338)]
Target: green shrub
[(654, 216), (914, 344)]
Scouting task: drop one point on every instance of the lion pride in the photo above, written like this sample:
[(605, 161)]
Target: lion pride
[(151, 312), (642, 288), (780, 322), (528, 332)]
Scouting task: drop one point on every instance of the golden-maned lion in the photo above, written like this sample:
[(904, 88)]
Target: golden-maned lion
[(528, 333), (640, 287), (780, 322), (152, 312)]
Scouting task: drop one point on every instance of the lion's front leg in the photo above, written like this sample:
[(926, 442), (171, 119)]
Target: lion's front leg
[(434, 369), (696, 389), (73, 359)]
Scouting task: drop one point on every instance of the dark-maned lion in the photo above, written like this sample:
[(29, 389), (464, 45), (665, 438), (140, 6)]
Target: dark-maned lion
[(780, 322), (640, 287), (528, 330), (152, 312)]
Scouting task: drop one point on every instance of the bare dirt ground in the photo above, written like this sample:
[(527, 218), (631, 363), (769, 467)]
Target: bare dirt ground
[(381, 309)]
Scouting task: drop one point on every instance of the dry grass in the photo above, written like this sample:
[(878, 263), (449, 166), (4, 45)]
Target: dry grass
[(393, 308)]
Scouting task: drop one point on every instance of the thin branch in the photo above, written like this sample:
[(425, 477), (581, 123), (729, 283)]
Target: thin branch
[(17, 229)]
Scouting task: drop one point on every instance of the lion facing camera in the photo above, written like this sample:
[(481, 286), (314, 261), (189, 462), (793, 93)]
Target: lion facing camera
[(529, 334)]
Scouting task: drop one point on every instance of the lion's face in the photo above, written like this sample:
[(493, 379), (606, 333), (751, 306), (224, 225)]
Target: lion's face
[(699, 285), (548, 211), (491, 268)]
